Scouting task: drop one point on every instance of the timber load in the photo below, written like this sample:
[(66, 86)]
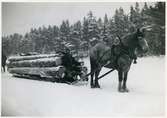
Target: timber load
[(47, 67)]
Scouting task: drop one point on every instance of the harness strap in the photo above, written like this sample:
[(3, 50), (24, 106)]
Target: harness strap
[(125, 49), (98, 61)]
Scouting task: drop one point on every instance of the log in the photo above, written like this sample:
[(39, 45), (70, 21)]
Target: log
[(21, 58), (42, 62), (47, 72)]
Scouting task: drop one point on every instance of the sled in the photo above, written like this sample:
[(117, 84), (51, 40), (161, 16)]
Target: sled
[(44, 67)]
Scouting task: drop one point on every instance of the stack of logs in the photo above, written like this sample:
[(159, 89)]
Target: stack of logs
[(47, 67)]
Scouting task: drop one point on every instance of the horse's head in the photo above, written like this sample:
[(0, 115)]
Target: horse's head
[(141, 41)]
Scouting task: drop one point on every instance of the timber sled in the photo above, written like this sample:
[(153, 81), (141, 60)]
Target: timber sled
[(46, 67)]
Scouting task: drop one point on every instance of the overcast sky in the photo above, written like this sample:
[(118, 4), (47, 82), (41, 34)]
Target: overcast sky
[(20, 17)]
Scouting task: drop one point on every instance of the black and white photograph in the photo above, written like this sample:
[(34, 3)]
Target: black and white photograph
[(83, 59)]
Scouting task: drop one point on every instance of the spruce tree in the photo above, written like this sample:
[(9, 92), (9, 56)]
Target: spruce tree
[(85, 32), (92, 27), (157, 14)]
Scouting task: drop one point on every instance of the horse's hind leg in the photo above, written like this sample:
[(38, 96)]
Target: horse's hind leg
[(120, 76), (124, 87), (92, 65), (3, 68), (91, 81), (96, 78)]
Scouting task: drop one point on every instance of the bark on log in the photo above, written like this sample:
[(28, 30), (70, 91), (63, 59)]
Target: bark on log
[(21, 58), (42, 62)]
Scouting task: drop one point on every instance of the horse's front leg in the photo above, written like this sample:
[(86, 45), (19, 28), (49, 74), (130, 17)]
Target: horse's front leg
[(120, 77), (96, 78), (124, 87), (3, 68), (91, 80)]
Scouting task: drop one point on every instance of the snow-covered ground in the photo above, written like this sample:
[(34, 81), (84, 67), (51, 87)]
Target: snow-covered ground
[(146, 81)]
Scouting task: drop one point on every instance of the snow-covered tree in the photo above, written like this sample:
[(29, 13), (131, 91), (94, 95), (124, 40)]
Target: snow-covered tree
[(121, 22), (156, 37), (85, 32), (65, 30), (92, 26), (53, 38), (105, 28)]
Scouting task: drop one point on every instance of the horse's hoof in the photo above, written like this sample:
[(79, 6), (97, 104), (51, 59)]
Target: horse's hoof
[(121, 90), (92, 86), (135, 62), (97, 86), (126, 90)]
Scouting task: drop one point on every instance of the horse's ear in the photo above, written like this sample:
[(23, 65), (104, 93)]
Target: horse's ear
[(143, 30), (138, 30)]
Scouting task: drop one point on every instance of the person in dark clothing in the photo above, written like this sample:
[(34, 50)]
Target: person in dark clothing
[(67, 59), (3, 61), (71, 65)]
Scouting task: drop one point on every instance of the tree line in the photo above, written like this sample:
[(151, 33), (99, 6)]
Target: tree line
[(88, 31)]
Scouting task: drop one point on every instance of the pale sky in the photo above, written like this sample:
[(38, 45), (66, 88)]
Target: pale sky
[(20, 17)]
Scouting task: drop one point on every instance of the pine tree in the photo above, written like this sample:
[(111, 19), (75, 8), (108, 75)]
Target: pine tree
[(100, 28), (105, 20), (92, 27), (77, 30), (135, 17), (85, 32), (105, 28), (121, 22), (157, 19), (137, 10), (65, 30), (132, 14), (112, 31), (145, 18), (76, 36)]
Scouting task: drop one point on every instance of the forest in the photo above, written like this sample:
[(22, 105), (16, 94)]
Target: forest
[(86, 32)]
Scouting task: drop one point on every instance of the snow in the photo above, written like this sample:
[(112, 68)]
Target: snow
[(146, 81)]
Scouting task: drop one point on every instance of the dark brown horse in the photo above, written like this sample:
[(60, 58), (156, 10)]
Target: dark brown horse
[(118, 57)]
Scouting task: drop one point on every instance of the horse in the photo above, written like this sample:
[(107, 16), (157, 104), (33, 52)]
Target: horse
[(117, 57), (3, 61)]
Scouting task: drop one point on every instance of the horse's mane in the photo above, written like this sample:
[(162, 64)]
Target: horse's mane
[(127, 40)]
